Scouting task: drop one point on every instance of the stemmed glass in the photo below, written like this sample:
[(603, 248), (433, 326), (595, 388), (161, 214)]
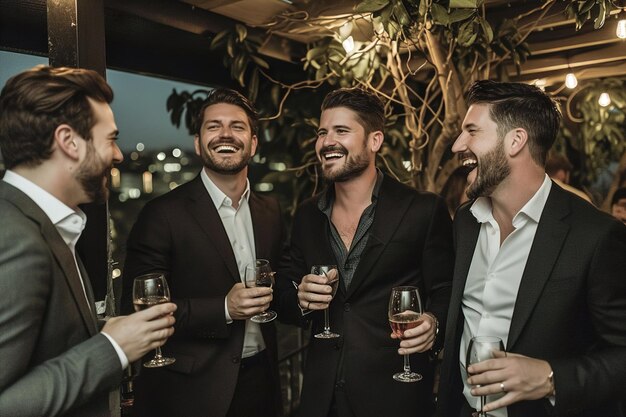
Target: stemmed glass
[(480, 349), (149, 290), (259, 274), (405, 312), (326, 270)]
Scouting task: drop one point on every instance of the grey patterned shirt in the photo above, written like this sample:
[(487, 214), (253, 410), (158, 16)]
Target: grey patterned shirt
[(348, 258)]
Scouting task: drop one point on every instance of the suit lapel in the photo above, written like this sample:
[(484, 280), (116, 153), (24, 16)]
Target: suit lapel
[(390, 210), (262, 226), (549, 238), (205, 214), (467, 230), (59, 249)]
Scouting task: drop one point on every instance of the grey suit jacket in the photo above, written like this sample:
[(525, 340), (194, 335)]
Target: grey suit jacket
[(53, 360)]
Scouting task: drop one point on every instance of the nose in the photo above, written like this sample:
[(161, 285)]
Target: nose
[(117, 155), (459, 144), (226, 132)]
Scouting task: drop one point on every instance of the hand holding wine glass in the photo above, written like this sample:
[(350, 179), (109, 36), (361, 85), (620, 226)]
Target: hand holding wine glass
[(260, 274), (405, 312), (480, 349), (149, 290), (332, 279)]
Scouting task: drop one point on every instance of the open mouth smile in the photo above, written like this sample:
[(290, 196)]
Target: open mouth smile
[(225, 148)]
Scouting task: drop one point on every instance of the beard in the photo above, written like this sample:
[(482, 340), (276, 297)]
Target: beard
[(492, 169), (91, 174), (352, 168), (228, 166)]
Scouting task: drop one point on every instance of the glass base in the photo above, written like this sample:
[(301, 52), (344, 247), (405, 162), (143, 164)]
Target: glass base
[(265, 317), (326, 334), (407, 377), (159, 362)]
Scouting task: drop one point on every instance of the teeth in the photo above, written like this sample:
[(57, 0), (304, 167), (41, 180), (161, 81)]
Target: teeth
[(225, 148), (468, 162), (333, 155)]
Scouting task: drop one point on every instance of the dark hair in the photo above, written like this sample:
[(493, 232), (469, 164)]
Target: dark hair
[(228, 96), (619, 194), (35, 102), (516, 105), (368, 106), (557, 162)]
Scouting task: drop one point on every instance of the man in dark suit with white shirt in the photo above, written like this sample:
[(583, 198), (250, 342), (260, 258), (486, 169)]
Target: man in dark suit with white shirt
[(202, 235), (536, 266), (57, 136)]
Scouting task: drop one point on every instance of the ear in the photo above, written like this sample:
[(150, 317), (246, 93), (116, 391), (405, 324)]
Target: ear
[(65, 140), (376, 140), (196, 144), (254, 144), (518, 139)]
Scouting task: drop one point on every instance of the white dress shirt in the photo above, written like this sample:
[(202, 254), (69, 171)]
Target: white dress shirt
[(69, 223), (238, 225), (494, 277)]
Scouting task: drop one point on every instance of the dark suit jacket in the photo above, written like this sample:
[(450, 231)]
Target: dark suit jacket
[(410, 243), (570, 309), (48, 334), (182, 234)]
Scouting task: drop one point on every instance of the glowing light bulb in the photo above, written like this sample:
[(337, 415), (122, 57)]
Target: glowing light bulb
[(570, 81), (604, 99), (348, 44), (620, 32)]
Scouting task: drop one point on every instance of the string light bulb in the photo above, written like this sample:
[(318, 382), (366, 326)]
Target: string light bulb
[(620, 32), (571, 81), (604, 100)]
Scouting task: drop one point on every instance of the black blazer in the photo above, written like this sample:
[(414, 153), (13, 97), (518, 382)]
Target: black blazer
[(182, 234), (570, 309), (410, 243)]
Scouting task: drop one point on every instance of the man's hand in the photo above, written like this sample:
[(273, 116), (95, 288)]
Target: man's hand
[(418, 339), (314, 292), (244, 303), (521, 377), (141, 332)]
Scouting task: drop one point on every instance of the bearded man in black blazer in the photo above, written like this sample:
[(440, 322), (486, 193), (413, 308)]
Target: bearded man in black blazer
[(202, 235), (536, 266), (381, 234)]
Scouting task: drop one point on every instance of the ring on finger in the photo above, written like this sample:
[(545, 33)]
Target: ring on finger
[(308, 305), (502, 387)]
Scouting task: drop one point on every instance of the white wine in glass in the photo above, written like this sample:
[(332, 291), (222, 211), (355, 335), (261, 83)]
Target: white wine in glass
[(480, 349), (149, 290), (405, 312), (327, 270), (260, 274)]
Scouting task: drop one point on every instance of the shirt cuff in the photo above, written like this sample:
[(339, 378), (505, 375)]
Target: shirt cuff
[(118, 350), (229, 319)]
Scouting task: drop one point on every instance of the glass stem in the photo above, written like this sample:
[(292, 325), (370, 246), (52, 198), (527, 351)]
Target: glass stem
[(326, 321), (407, 364), (482, 406), (158, 356)]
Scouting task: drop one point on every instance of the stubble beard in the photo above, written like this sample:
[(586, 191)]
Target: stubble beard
[(492, 169)]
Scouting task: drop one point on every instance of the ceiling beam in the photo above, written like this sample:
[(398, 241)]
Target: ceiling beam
[(557, 77), (561, 40)]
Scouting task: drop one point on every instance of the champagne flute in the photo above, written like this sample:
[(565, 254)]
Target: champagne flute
[(148, 290), (259, 274), (325, 270), (405, 312), (480, 349)]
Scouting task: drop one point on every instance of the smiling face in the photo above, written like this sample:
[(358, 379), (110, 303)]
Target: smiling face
[(342, 145), (102, 151), (481, 152), (226, 143)]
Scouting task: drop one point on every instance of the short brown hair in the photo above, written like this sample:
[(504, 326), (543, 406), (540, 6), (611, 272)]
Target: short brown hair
[(228, 96), (516, 105), (368, 106), (35, 102)]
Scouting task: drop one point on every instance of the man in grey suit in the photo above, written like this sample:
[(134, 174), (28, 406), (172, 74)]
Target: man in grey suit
[(57, 137)]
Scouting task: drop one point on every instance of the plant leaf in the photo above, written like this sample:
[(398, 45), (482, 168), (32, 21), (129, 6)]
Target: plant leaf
[(369, 6)]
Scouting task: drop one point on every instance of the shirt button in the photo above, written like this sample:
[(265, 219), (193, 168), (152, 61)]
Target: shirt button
[(346, 307), (486, 315), (491, 276)]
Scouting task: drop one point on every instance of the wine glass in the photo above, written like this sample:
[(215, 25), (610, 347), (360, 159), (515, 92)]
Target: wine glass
[(334, 284), (148, 290), (480, 349), (405, 312), (259, 274)]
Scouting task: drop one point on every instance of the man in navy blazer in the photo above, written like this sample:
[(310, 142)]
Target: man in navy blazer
[(536, 266)]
